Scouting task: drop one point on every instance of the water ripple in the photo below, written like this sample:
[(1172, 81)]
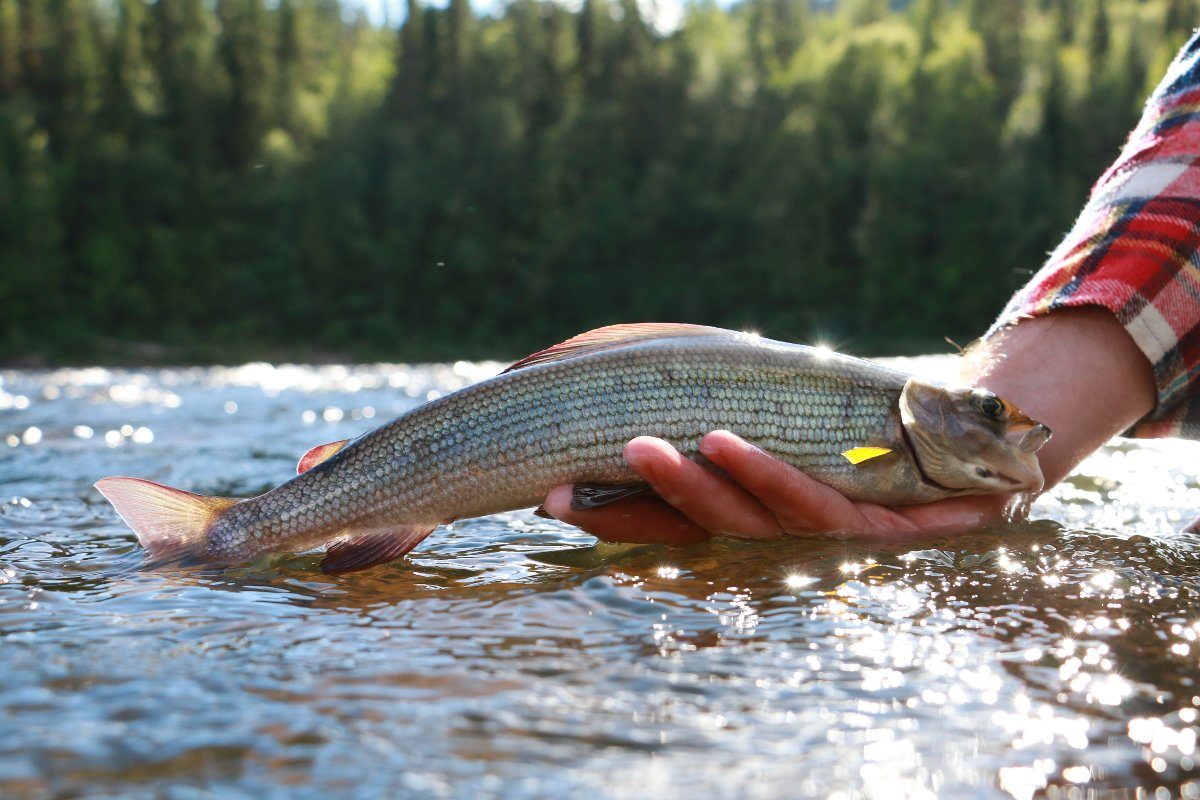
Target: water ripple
[(512, 656)]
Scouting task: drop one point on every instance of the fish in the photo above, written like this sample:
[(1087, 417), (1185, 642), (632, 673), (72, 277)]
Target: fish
[(563, 416)]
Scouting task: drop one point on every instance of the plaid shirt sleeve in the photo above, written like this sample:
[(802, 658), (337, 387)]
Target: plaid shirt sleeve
[(1133, 249)]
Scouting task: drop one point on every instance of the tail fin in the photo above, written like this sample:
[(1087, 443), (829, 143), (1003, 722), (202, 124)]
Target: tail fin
[(170, 523)]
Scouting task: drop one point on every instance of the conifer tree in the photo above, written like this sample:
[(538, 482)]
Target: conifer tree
[(1064, 20), (183, 64), (1000, 24), (288, 68), (30, 23), (410, 79), (592, 28), (242, 48), (69, 77), (9, 38), (460, 30), (1099, 33), (128, 80), (1181, 17), (929, 17)]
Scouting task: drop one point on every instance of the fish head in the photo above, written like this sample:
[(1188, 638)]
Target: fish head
[(970, 441)]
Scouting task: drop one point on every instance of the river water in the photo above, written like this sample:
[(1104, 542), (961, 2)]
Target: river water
[(509, 656)]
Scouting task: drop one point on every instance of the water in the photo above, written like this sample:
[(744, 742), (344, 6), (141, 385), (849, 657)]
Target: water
[(508, 656)]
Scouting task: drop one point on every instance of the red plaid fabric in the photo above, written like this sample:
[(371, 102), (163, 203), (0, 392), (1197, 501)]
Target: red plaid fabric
[(1133, 249)]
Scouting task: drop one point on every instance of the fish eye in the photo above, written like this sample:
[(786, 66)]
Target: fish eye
[(983, 472), (990, 405)]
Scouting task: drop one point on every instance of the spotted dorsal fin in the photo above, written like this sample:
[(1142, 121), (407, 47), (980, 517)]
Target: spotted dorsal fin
[(612, 336), (321, 452)]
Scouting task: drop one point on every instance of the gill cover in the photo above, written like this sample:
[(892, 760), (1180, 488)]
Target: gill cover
[(970, 441)]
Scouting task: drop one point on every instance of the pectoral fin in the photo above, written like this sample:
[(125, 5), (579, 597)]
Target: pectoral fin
[(594, 495), (367, 548), (321, 452), (857, 455)]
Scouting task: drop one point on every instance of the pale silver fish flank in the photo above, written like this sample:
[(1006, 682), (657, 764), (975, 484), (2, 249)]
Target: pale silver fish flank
[(564, 415)]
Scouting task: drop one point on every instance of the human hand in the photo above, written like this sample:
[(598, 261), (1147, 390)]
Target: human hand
[(761, 498)]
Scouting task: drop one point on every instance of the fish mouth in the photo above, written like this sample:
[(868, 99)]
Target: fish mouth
[(1033, 482), (1016, 484)]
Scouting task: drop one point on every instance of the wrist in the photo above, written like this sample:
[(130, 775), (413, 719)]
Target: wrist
[(1075, 370)]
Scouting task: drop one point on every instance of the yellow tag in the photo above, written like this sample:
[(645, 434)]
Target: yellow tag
[(857, 455)]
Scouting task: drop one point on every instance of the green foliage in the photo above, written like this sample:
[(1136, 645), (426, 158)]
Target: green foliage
[(244, 178)]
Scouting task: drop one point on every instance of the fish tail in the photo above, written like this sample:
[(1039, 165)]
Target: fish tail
[(170, 523)]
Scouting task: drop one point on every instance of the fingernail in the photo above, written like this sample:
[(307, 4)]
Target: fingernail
[(640, 462), (711, 444), (632, 456), (729, 441)]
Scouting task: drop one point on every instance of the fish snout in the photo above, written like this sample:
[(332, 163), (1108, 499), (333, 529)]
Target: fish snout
[(1028, 478), (1023, 469), (1031, 439), (1027, 437)]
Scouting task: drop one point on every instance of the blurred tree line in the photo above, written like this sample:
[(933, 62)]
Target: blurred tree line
[(285, 178)]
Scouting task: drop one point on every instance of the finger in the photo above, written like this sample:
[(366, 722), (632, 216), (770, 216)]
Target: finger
[(800, 503), (712, 502), (641, 520)]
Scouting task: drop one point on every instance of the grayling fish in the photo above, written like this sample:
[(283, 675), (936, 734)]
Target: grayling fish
[(563, 415)]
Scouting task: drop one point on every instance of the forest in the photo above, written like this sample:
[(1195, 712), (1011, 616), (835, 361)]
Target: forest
[(222, 180)]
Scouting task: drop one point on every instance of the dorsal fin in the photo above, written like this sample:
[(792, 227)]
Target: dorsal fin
[(322, 452), (612, 336)]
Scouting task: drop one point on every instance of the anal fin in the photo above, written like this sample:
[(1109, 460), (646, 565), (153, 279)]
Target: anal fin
[(370, 547)]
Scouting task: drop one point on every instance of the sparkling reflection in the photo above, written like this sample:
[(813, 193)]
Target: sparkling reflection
[(513, 655)]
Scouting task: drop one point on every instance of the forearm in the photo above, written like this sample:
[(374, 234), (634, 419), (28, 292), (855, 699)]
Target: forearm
[(1131, 251), (1076, 370)]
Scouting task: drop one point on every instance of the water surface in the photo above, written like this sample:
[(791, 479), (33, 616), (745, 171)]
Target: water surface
[(509, 657)]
